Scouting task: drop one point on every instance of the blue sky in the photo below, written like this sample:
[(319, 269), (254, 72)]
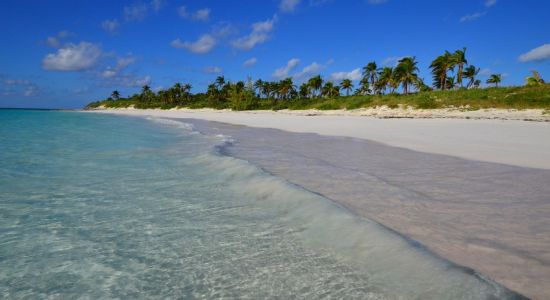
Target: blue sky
[(68, 53)]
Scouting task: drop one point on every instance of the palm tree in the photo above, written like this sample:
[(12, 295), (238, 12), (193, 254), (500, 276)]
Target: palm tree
[(286, 87), (220, 81), (316, 83), (534, 80), (451, 82), (370, 71), (115, 95), (406, 72), (146, 93), (385, 78), (495, 79), (347, 85), (330, 90), (304, 90), (177, 90), (364, 89), (477, 83), (440, 66), (258, 85), (470, 73), (459, 58)]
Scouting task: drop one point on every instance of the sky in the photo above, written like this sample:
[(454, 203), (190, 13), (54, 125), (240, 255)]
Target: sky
[(65, 54)]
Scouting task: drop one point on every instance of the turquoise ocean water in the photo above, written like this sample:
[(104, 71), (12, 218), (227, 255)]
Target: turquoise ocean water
[(95, 206)]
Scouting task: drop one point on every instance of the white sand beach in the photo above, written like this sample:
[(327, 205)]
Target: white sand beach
[(512, 142), (481, 202)]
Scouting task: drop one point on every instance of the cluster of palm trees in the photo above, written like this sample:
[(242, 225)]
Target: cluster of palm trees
[(176, 95), (445, 77), (449, 71)]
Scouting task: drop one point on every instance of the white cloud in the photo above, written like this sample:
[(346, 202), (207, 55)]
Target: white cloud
[(141, 81), (121, 64), (489, 3), (222, 30), (538, 54), (202, 14), (203, 45), (73, 57), (260, 34), (288, 5), (284, 71), (309, 70), (212, 70), (250, 62), (472, 17), (136, 12), (111, 26), (352, 75)]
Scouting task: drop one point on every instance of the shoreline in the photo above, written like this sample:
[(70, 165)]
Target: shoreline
[(510, 142)]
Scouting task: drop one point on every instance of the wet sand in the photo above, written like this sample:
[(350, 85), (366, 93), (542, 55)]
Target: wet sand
[(491, 217)]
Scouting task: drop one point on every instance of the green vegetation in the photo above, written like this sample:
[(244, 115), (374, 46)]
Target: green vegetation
[(392, 87)]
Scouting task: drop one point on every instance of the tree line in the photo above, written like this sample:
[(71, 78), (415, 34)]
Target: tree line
[(450, 71)]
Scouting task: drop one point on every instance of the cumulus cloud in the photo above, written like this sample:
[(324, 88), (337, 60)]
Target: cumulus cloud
[(136, 12), (111, 26), (309, 70), (283, 72), (121, 64), (73, 57), (222, 30), (288, 5), (538, 54), (203, 45), (355, 74), (489, 3), (260, 33), (472, 17), (212, 70), (250, 62)]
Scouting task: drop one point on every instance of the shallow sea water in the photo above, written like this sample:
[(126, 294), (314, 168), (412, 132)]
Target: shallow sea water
[(95, 206)]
